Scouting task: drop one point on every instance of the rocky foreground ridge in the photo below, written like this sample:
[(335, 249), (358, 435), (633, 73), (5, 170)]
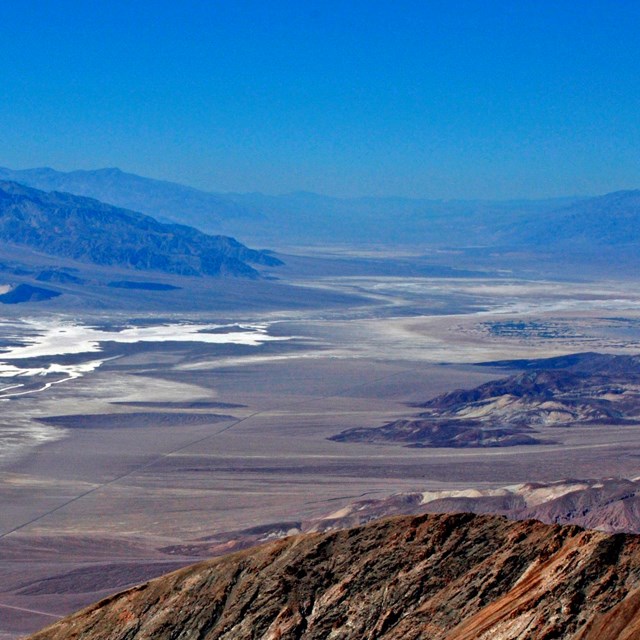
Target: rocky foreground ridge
[(432, 576)]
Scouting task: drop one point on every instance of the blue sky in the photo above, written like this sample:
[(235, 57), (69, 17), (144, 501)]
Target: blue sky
[(439, 99)]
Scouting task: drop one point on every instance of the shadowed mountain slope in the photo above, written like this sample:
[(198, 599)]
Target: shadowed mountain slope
[(454, 577), (611, 220), (576, 224), (83, 229)]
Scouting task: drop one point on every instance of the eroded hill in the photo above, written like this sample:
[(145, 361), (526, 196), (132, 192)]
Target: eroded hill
[(582, 389)]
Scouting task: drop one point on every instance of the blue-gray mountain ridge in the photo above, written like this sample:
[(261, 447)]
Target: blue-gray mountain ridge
[(295, 217), (84, 229), (579, 224)]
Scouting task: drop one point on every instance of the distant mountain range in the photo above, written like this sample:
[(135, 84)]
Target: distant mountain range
[(297, 217), (612, 220), (157, 198), (576, 224), (84, 229)]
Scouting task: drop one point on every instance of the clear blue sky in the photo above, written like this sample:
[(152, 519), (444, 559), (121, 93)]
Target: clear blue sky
[(441, 98)]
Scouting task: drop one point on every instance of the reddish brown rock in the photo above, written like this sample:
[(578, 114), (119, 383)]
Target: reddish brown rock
[(434, 577)]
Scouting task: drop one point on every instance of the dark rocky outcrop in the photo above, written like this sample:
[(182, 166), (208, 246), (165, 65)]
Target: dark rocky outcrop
[(58, 275), (580, 389), (144, 286), (27, 293)]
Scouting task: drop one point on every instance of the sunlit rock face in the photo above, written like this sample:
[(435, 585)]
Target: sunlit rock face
[(438, 576)]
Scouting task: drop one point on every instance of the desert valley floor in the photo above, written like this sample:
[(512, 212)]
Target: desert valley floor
[(158, 434)]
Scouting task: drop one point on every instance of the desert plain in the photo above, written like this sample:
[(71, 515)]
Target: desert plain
[(153, 436)]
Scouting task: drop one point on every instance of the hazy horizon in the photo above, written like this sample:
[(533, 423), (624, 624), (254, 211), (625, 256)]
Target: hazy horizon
[(361, 196)]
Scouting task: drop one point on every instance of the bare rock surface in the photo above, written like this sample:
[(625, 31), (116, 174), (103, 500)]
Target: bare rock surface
[(611, 505), (433, 576)]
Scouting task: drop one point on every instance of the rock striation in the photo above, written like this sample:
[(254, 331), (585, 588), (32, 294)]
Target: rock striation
[(436, 577)]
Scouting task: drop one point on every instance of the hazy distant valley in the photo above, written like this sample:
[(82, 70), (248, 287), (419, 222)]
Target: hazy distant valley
[(210, 395)]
